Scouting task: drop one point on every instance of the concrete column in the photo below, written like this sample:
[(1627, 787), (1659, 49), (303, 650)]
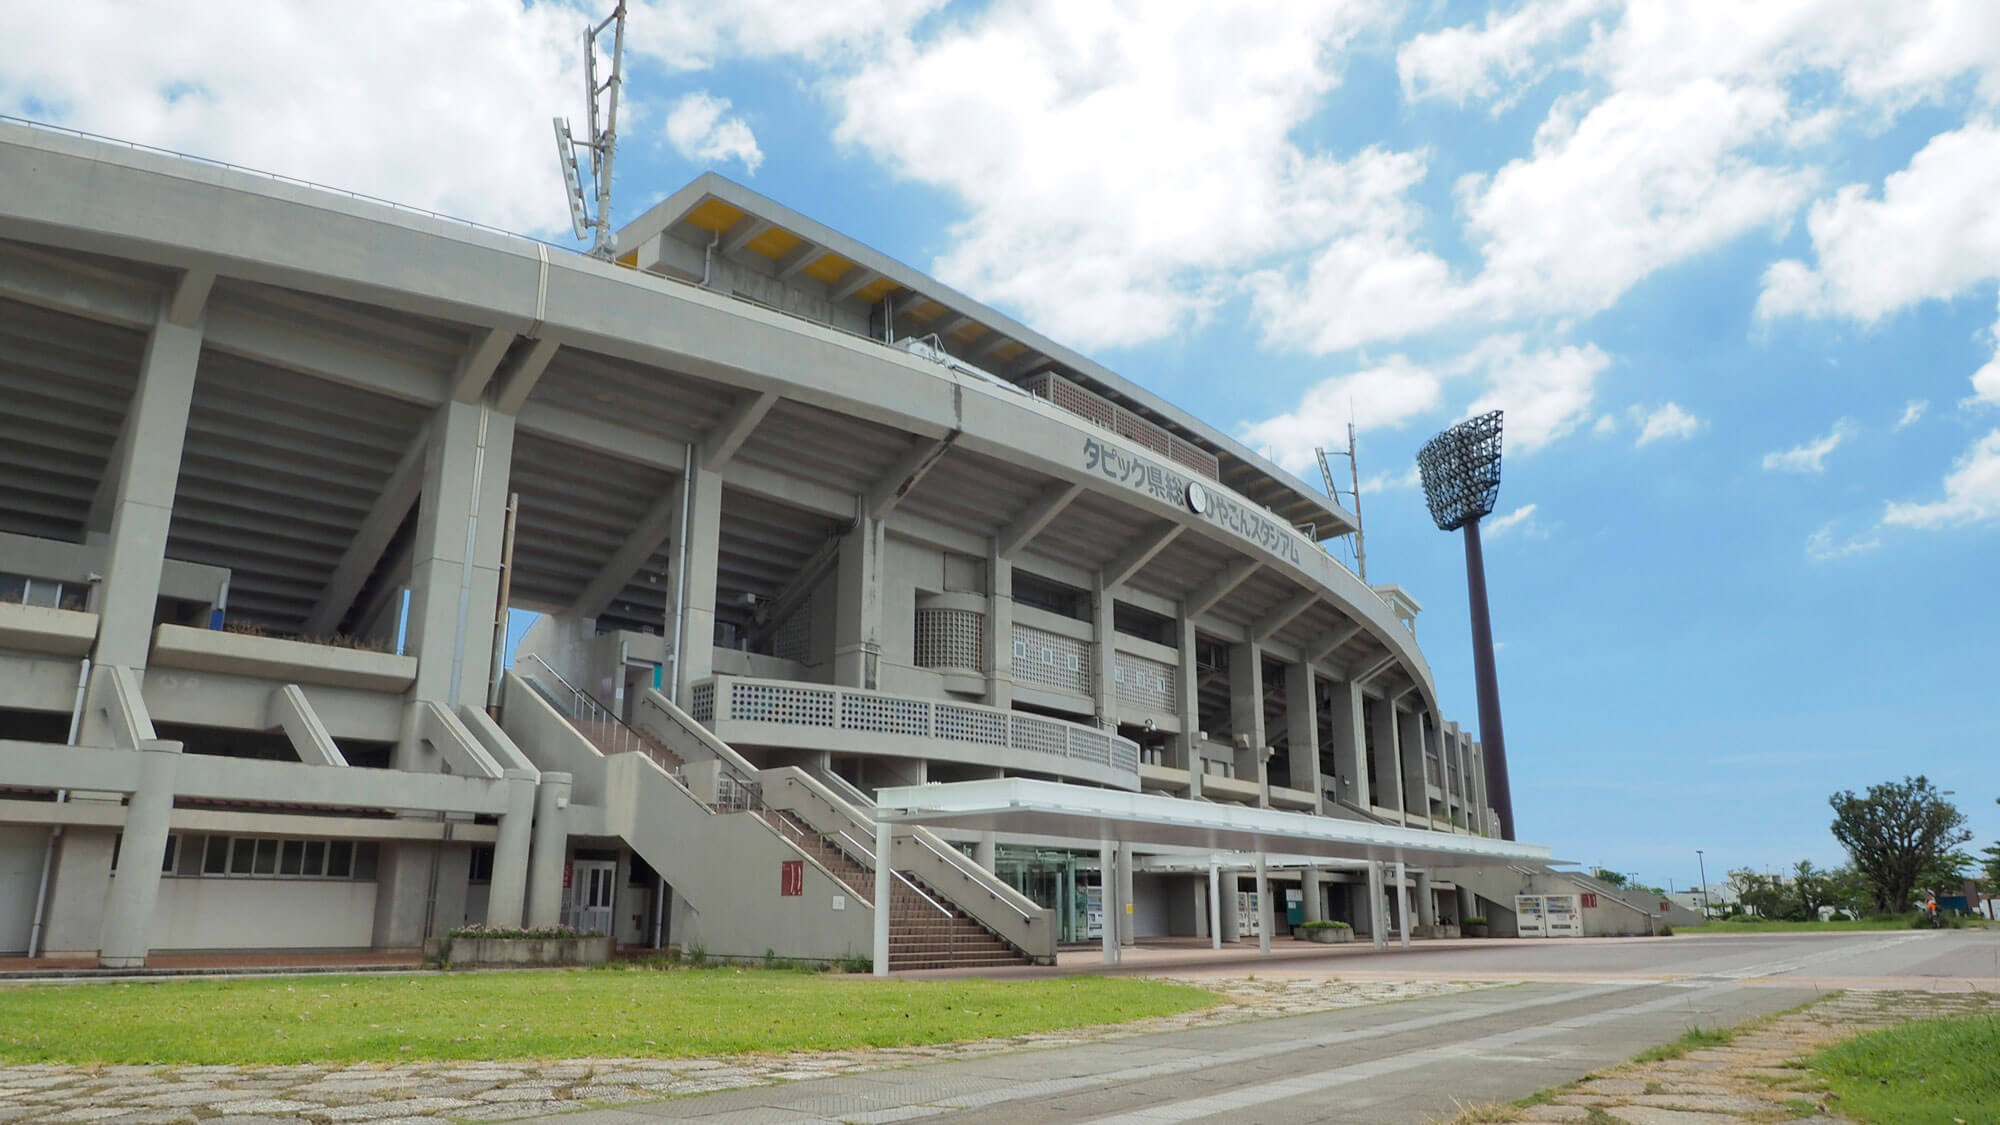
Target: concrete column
[(1410, 745), (857, 628), (1315, 895), (1214, 905), (999, 627), (1189, 700), (984, 851), (1377, 934), (690, 628), (1246, 712), (1104, 651), (1265, 914), (455, 558), (1402, 904), (1349, 742), (1107, 883), (1127, 918), (1387, 755), (1475, 786), (1302, 727), (548, 850), (885, 887), (156, 428), (135, 884), (507, 896), (1427, 914)]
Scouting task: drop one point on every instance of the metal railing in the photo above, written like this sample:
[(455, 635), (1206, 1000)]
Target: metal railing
[(970, 871), (598, 722)]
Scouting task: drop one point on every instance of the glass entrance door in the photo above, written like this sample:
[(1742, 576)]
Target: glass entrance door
[(591, 884)]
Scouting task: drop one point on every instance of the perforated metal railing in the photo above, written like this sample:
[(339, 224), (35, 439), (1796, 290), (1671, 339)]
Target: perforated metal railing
[(787, 703)]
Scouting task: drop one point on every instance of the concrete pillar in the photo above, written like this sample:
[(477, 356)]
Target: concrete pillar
[(1302, 727), (1410, 745), (1475, 786), (135, 884), (1427, 914), (1377, 931), (1349, 742), (156, 428), (1189, 700), (885, 887), (455, 557), (857, 618), (1265, 914), (506, 897), (999, 627), (1127, 917), (548, 850), (1232, 928), (1104, 651), (1402, 904), (1246, 714), (1387, 755), (1107, 884), (1214, 905), (1315, 895), (690, 628), (984, 851)]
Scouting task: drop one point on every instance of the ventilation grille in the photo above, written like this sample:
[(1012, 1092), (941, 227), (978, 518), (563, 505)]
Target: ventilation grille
[(1147, 684), (951, 640), (1052, 660)]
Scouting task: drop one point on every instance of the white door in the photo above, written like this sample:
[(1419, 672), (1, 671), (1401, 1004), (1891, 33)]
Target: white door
[(1529, 918), (1561, 916), (591, 882)]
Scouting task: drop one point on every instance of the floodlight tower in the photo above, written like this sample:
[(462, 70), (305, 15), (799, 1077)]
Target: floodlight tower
[(1461, 471), (601, 140)]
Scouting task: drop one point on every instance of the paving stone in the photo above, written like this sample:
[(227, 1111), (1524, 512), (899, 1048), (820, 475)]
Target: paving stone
[(1653, 1115), (1719, 1103), (404, 1108), (153, 1117), (1613, 1086), (1546, 1114), (86, 1113), (511, 1110), (273, 1105)]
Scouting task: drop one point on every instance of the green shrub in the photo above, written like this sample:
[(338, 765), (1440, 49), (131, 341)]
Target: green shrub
[(1474, 920), (1324, 925)]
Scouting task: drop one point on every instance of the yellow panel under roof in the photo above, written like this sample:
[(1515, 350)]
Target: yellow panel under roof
[(926, 312), (828, 268), (775, 243), (878, 289), (713, 214)]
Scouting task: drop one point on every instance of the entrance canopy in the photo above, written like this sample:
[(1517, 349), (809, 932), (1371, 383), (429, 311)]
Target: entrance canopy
[(1049, 808)]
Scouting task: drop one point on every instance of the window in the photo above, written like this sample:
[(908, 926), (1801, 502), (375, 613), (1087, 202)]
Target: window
[(168, 855), (482, 865), (339, 860), (291, 857), (254, 857)]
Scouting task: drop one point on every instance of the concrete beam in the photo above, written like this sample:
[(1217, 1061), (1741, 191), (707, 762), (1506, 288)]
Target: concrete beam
[(992, 342), (290, 711), (883, 496), (1208, 594), (951, 324), (1039, 515), (1282, 615), (190, 297), (728, 434), (623, 442), (1370, 671), (47, 281), (482, 357), (520, 378), (1142, 551), (274, 342), (854, 281), (801, 586), (743, 234), (1323, 645), (443, 730), (798, 258), (646, 537), (372, 537)]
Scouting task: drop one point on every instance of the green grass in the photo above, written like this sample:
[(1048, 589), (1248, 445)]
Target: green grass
[(1693, 1039), (558, 1014), (1930, 1071), (1738, 926)]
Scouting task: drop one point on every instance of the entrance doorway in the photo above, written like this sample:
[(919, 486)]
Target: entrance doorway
[(590, 890)]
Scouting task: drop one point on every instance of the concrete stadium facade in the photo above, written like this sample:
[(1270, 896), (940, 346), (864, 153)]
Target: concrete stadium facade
[(803, 525)]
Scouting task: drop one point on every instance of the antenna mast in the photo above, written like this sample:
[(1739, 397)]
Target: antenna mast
[(602, 143), (1353, 492)]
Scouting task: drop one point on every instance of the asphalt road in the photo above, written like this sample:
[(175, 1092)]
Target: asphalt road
[(1588, 1004)]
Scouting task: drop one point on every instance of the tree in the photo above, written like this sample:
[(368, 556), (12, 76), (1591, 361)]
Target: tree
[(1762, 895), (1894, 834), (1812, 888), (1992, 865)]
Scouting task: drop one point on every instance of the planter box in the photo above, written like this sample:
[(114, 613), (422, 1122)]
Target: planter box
[(281, 659), (476, 952), (1473, 931), (1329, 935)]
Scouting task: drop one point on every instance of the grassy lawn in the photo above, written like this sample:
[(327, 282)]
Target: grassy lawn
[(1931, 1071), (564, 1014), (1737, 926)]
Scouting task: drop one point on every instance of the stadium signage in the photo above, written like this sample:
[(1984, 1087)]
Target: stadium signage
[(1142, 474)]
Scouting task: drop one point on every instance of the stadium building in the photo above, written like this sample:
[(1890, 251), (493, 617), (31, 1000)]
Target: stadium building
[(855, 593)]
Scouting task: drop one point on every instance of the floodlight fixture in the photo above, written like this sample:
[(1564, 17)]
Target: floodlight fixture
[(1461, 471)]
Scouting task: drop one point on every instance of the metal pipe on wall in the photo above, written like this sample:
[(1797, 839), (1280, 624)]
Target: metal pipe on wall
[(55, 833)]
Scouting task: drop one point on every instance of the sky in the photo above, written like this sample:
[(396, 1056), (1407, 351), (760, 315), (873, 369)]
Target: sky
[(1730, 269)]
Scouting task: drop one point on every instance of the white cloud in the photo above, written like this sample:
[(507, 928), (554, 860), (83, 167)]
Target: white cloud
[(1971, 492), (1914, 409), (1461, 63), (1823, 544), (1986, 380), (355, 95), (1521, 519), (1389, 482), (1387, 396), (1121, 164), (697, 34), (698, 128), (1931, 234), (1810, 457), (1605, 426), (1547, 394), (1668, 421)]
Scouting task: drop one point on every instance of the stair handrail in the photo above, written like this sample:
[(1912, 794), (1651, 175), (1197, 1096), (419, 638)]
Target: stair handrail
[(970, 869), (919, 892), (848, 790), (733, 763), (619, 736)]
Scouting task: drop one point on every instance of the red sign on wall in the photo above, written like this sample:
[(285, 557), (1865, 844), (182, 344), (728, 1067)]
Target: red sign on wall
[(1589, 901), (569, 871), (792, 877)]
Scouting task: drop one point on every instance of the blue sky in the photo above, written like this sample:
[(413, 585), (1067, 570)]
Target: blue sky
[(1730, 268)]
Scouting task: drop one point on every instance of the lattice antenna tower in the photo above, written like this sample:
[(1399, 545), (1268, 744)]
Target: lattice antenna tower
[(1353, 494), (601, 141)]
